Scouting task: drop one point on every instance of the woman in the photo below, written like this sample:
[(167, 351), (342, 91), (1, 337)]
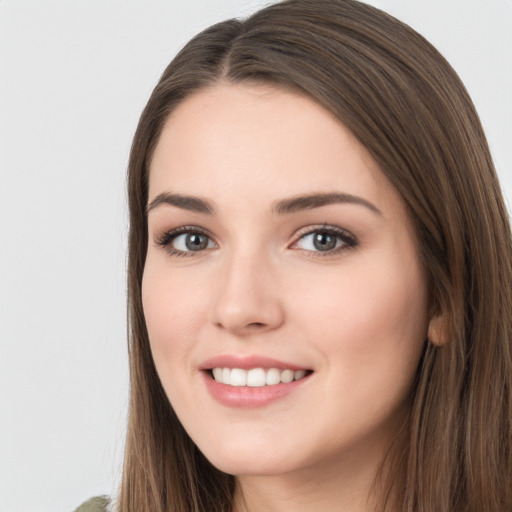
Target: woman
[(319, 276)]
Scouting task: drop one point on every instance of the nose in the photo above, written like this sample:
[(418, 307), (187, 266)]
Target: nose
[(248, 300)]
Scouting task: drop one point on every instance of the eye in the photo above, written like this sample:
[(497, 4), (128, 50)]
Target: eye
[(186, 241), (325, 240)]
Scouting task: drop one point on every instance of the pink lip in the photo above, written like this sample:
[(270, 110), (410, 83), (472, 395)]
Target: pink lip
[(247, 362), (247, 397)]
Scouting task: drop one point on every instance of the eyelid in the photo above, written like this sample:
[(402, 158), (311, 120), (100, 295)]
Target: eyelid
[(348, 239), (167, 235), (166, 238)]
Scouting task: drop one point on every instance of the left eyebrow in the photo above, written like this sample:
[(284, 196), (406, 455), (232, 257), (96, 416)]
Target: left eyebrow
[(310, 201)]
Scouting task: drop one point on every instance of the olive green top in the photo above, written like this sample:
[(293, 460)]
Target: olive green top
[(98, 504)]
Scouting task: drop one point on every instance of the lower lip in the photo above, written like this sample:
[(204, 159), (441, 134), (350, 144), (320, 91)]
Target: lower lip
[(249, 397)]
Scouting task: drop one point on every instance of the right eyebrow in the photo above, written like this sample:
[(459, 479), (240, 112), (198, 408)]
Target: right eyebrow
[(194, 204)]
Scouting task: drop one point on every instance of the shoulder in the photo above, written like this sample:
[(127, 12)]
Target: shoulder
[(98, 504)]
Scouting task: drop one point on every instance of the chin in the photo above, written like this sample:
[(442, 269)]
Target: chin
[(249, 460), (255, 467)]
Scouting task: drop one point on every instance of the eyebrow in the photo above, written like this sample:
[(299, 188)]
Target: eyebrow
[(282, 207), (310, 201), (191, 203)]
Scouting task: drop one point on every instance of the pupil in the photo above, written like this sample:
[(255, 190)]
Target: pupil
[(324, 241), (196, 242)]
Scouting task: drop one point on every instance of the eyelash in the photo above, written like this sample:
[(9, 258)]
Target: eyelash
[(166, 239), (348, 241)]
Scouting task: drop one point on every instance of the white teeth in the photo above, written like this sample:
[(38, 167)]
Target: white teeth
[(238, 377), (256, 377), (273, 377), (226, 376), (287, 376)]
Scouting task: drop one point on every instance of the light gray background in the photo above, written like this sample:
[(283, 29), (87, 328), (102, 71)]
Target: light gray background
[(74, 76)]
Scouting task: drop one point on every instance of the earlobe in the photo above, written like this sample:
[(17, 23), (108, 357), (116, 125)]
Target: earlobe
[(438, 330)]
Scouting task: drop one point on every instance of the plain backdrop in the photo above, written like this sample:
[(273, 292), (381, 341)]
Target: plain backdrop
[(74, 77)]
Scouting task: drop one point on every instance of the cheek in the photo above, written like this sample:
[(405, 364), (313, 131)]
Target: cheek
[(371, 330), (172, 311), (368, 313)]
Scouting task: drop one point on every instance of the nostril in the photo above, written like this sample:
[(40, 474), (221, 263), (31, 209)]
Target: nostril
[(245, 315)]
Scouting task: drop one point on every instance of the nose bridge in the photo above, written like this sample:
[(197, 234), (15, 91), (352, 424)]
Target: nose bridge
[(246, 298)]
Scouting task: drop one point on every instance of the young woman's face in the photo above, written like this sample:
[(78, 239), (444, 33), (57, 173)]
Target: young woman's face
[(278, 251)]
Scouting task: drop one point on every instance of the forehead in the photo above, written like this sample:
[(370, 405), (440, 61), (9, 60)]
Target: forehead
[(260, 141)]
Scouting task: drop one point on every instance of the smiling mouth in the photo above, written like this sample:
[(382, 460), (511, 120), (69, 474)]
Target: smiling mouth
[(256, 377)]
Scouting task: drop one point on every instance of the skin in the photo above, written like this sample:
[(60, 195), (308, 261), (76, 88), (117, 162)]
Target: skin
[(356, 315)]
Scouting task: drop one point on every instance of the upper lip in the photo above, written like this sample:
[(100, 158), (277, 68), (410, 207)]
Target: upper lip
[(247, 362)]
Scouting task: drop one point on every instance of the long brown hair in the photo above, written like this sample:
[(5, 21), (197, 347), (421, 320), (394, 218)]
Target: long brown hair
[(406, 105)]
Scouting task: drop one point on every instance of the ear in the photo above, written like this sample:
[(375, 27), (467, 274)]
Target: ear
[(438, 329)]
